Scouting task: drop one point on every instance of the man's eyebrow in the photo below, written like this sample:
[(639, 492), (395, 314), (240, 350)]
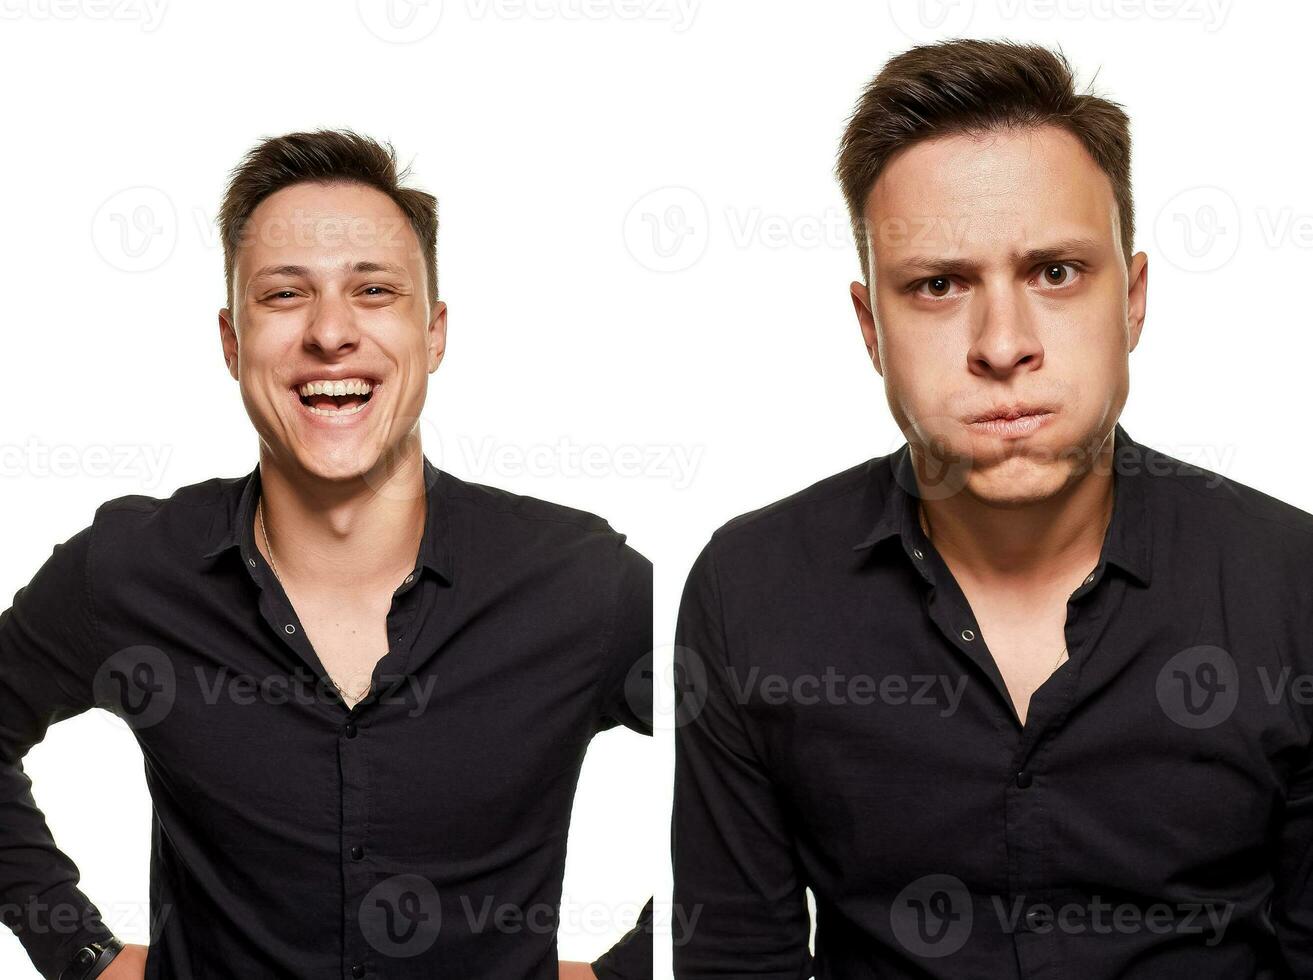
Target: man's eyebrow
[(1052, 252), (379, 267), (272, 271)]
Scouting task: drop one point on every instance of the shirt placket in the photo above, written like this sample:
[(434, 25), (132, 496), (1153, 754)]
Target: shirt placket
[(358, 874), (1028, 834)]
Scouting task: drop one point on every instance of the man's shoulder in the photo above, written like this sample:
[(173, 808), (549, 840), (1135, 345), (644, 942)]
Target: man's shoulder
[(836, 510), (1225, 511), (195, 501), (523, 535), (151, 527), (505, 512)]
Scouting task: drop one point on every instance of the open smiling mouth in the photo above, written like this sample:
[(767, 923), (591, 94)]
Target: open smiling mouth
[(336, 398)]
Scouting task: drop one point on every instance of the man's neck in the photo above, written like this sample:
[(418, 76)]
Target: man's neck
[(1029, 546), (343, 535)]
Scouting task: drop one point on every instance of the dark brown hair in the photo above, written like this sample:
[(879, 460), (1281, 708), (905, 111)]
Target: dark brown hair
[(323, 156), (975, 86)]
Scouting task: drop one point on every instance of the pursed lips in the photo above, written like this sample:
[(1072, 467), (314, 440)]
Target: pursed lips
[(1011, 412)]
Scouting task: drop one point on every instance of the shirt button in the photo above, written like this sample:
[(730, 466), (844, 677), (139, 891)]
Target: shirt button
[(410, 578), (1089, 578), (289, 628), (350, 729), (968, 635), (1023, 779), (251, 562), (358, 970), (357, 853)]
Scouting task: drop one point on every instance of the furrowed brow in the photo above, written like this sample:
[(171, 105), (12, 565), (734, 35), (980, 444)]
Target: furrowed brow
[(1053, 252)]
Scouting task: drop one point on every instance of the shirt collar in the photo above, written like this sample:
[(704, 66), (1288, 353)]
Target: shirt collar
[(234, 520), (1127, 543)]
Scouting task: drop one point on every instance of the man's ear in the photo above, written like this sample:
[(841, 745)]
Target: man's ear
[(1137, 298), (228, 337), (437, 335), (861, 297)]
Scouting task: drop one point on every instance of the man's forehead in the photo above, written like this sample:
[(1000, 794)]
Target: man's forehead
[(324, 227), (327, 197), (940, 237), (1013, 187), (993, 178)]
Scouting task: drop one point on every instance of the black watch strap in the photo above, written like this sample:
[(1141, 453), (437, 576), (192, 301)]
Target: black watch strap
[(91, 960)]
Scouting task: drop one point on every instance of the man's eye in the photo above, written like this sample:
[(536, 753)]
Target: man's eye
[(384, 288), (282, 294), (938, 286), (1055, 274)]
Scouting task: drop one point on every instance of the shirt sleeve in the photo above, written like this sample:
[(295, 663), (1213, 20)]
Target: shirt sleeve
[(740, 907), (47, 642), (1292, 906), (631, 957), (626, 695), (627, 700)]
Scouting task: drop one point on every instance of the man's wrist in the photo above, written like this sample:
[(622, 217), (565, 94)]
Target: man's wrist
[(91, 960)]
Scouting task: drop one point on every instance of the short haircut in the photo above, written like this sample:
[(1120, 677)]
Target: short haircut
[(327, 157), (976, 86)]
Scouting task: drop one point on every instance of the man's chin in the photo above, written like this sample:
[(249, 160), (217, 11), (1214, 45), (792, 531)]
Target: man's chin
[(1018, 481), (339, 461)]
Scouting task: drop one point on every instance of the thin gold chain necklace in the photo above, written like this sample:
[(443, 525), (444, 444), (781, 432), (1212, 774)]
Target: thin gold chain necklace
[(925, 529), (346, 695)]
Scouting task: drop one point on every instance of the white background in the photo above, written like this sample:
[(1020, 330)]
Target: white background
[(647, 262)]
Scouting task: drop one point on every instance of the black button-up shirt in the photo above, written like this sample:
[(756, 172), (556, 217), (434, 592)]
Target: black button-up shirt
[(421, 833), (844, 728)]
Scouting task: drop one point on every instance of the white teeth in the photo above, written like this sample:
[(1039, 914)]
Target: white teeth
[(350, 386), (338, 411)]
